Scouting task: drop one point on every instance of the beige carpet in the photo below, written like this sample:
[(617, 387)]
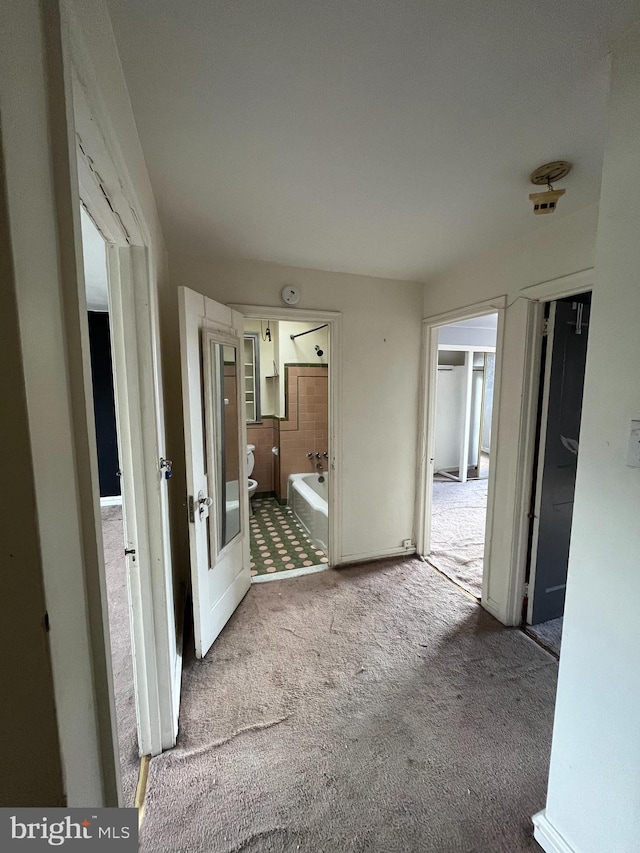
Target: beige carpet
[(374, 708), (549, 634), (119, 629), (458, 519)]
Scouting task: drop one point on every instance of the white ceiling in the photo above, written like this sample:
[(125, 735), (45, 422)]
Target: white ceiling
[(387, 138), (95, 265)]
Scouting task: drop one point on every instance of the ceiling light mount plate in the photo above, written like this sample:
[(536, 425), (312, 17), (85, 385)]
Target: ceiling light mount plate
[(549, 173)]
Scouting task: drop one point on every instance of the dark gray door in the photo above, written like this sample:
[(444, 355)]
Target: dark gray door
[(560, 458)]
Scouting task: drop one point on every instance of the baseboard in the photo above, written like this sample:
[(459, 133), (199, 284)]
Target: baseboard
[(113, 500), (548, 836), (348, 559)]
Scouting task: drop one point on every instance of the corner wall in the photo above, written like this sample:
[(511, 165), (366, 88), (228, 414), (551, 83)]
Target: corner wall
[(594, 787), (380, 367)]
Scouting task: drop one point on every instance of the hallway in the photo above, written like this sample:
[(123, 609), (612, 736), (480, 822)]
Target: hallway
[(373, 708)]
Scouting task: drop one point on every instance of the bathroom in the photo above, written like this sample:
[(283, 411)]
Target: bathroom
[(287, 409)]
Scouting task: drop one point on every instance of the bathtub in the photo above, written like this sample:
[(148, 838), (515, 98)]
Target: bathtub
[(308, 499)]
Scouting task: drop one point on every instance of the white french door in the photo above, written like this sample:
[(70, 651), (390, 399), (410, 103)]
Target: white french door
[(211, 346)]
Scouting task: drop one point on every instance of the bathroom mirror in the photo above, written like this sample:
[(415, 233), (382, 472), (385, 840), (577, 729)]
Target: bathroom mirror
[(222, 436)]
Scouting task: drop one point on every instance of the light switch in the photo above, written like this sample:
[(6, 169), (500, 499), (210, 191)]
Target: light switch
[(633, 454)]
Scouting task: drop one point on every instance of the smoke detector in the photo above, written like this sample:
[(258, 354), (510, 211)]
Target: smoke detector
[(545, 202)]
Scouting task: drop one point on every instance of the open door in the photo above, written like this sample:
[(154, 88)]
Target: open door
[(211, 346), (144, 482), (567, 337)]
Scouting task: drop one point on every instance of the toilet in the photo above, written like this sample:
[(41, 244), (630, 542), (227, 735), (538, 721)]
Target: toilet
[(252, 484)]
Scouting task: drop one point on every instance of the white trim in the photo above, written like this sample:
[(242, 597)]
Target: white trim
[(525, 451), (548, 836), (544, 418), (426, 430), (290, 573), (464, 348), (467, 312), (366, 556), (426, 437), (268, 312), (334, 321), (112, 500), (558, 288), (536, 295)]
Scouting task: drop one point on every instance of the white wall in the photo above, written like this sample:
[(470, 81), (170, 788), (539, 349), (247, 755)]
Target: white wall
[(95, 265), (380, 363), (594, 787), (562, 246)]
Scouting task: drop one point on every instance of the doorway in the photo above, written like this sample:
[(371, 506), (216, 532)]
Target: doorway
[(563, 362), (465, 380), (113, 536), (220, 569), (287, 411)]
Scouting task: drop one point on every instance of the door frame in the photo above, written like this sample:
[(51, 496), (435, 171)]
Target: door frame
[(106, 193), (545, 374), (427, 424), (537, 295), (334, 320)]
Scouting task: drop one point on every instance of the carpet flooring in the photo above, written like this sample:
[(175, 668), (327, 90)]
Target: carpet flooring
[(375, 708), (458, 519), (278, 541), (548, 633), (120, 633)]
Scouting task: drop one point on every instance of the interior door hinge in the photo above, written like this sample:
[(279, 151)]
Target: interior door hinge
[(545, 327), (525, 590), (192, 517)]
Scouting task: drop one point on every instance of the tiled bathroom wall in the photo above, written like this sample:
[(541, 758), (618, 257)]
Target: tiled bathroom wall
[(305, 427)]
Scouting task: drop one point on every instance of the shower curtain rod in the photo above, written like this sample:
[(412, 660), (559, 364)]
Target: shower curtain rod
[(317, 328)]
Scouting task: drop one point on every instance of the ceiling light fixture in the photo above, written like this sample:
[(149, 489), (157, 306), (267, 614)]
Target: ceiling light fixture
[(544, 175)]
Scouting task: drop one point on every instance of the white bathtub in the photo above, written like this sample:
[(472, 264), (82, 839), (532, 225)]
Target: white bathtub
[(309, 501)]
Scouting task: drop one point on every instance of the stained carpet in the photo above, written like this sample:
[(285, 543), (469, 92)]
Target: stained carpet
[(119, 630), (458, 519), (374, 708), (278, 541)]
